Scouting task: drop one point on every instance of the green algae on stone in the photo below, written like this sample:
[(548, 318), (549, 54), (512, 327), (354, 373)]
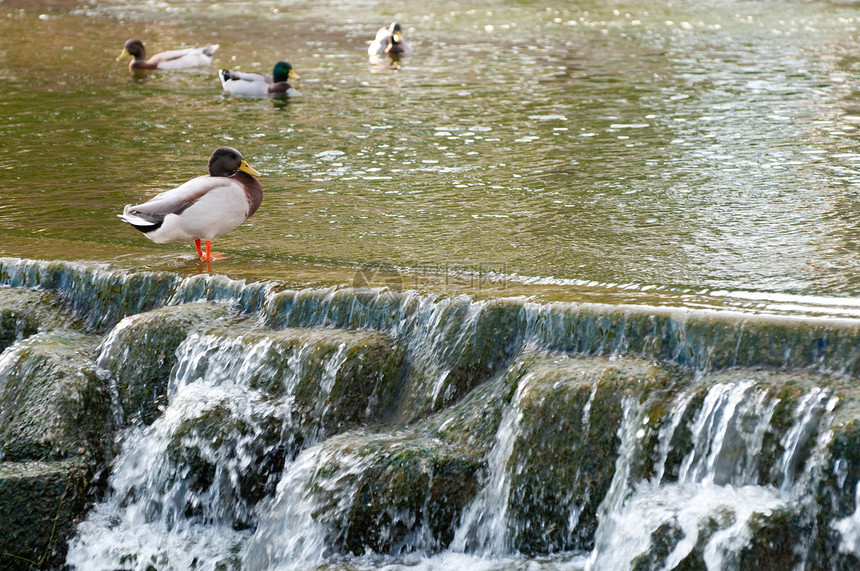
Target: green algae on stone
[(408, 494), (335, 378), (39, 506), (563, 460), (24, 313), (52, 405), (140, 352), (482, 349), (774, 542), (239, 457), (663, 541)]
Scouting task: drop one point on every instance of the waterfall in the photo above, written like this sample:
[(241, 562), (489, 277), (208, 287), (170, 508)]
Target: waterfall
[(253, 426), (184, 489), (718, 491), (484, 526)]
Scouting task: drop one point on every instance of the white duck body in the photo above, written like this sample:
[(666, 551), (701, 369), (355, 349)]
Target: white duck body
[(201, 209), (204, 207), (185, 58), (246, 84), (385, 41), (250, 84)]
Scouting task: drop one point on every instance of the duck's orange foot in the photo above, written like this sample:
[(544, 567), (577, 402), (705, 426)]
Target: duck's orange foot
[(209, 255), (218, 256)]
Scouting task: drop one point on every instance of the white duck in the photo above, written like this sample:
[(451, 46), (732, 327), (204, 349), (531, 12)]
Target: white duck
[(202, 208), (174, 59), (259, 84), (389, 40)]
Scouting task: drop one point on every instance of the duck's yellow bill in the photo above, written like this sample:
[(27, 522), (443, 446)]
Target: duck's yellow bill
[(123, 54), (245, 167), (293, 75)]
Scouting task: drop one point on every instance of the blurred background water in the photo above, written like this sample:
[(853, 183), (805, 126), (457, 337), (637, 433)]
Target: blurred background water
[(666, 153)]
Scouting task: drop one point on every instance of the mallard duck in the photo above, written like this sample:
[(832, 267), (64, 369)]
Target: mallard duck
[(388, 40), (174, 59), (259, 84), (202, 208)]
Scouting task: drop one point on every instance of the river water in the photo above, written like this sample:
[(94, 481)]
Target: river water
[(667, 153), (682, 154)]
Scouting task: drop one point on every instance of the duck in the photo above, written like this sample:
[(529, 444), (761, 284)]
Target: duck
[(202, 208), (388, 40), (259, 84), (171, 60)]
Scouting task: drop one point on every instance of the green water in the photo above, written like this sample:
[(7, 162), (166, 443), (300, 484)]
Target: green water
[(683, 153)]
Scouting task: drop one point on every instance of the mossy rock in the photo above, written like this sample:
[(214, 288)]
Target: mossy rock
[(490, 346), (140, 352), (335, 379), (24, 313), (470, 344), (663, 541), (473, 422), (563, 460), (240, 458), (52, 405), (308, 384), (775, 541), (408, 495), (39, 505)]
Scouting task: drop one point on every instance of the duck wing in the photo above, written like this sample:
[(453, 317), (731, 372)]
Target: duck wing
[(245, 76), (150, 214), (380, 42), (189, 57)]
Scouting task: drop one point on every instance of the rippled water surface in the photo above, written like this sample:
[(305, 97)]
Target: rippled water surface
[(684, 153)]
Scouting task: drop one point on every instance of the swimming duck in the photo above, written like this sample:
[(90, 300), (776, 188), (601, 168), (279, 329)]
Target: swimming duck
[(259, 84), (388, 40), (202, 208), (174, 59)]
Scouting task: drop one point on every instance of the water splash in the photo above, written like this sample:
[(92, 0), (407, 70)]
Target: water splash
[(191, 481), (484, 527)]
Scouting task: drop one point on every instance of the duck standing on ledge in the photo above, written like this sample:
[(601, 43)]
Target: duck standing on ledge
[(388, 40), (259, 84), (174, 59), (202, 208)]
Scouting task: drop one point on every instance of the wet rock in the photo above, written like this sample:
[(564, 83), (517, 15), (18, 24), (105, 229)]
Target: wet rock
[(100, 297), (335, 378), (52, 405), (39, 503), (563, 461), (480, 348), (238, 458), (55, 434), (303, 385), (408, 495), (24, 313), (663, 541), (140, 351), (774, 542)]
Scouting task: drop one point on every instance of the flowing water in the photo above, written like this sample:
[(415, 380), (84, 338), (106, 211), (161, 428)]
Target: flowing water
[(658, 157), (665, 153)]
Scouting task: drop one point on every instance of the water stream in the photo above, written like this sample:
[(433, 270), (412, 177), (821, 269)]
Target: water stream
[(570, 287)]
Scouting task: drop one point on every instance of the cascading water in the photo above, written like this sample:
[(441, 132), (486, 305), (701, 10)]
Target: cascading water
[(484, 526), (179, 489), (719, 488), (370, 429)]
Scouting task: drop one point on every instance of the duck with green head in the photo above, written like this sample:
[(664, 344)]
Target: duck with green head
[(259, 84)]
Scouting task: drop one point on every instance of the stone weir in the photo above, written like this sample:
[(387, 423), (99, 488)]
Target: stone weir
[(149, 421)]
